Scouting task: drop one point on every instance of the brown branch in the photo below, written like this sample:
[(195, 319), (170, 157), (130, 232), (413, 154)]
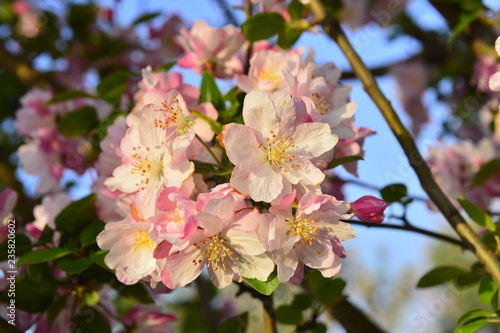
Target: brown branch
[(417, 162), (353, 319)]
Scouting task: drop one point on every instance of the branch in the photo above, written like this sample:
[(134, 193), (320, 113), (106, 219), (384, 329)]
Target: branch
[(228, 13), (353, 319), (410, 228), (419, 165)]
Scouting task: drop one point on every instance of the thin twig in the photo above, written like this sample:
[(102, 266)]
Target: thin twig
[(417, 162), (219, 163), (410, 228)]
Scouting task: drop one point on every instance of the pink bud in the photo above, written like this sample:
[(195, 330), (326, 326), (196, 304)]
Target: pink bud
[(369, 209)]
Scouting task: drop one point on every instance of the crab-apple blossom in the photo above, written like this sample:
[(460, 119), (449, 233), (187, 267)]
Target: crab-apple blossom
[(494, 81), (310, 237), (212, 49), (227, 244), (271, 152), (369, 209)]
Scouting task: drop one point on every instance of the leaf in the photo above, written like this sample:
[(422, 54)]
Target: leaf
[(472, 325), (165, 67), (262, 26), (72, 266), (78, 122), (343, 160), (235, 324), (487, 289), (296, 9), (89, 234), (476, 214), (302, 301), (98, 259), (394, 192), (288, 36), (138, 293), (23, 245), (35, 297), (209, 92), (113, 86), (203, 167), (42, 255), (327, 291), (146, 17), (265, 287), (492, 240), (465, 19), (77, 215), (439, 275), (46, 236), (474, 314), (91, 320), (286, 314), (68, 95), (320, 328), (486, 171), (214, 125)]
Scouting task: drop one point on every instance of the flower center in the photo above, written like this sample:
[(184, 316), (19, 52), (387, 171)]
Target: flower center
[(267, 75), (174, 116), (277, 151), (215, 252), (303, 228), (148, 164), (142, 240), (176, 218), (321, 105)]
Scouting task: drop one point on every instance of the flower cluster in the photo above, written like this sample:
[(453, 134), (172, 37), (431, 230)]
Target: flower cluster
[(168, 221)]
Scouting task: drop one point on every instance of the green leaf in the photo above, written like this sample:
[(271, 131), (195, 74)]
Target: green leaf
[(302, 301), (288, 36), (343, 160), (146, 17), (214, 125), (492, 240), (296, 9), (47, 236), (472, 325), (487, 289), (78, 122), (394, 192), (474, 314), (34, 296), (72, 266), (42, 255), (476, 214), (467, 279), (89, 234), (235, 324), (265, 287), (113, 86), (327, 291), (203, 167), (320, 328), (209, 92), (439, 275), (287, 314), (487, 171), (262, 26), (23, 245), (138, 293), (77, 215), (68, 95), (465, 19), (91, 320), (98, 259), (165, 67)]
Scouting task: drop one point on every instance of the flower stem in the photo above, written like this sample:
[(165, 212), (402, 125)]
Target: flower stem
[(417, 162), (219, 163)]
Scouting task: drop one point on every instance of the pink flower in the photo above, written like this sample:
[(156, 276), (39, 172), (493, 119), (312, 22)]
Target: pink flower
[(369, 209), (484, 68), (46, 213), (154, 86), (494, 82), (153, 158), (131, 243), (8, 199), (353, 147), (212, 49), (227, 244), (148, 319), (310, 237), (271, 152), (266, 71)]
